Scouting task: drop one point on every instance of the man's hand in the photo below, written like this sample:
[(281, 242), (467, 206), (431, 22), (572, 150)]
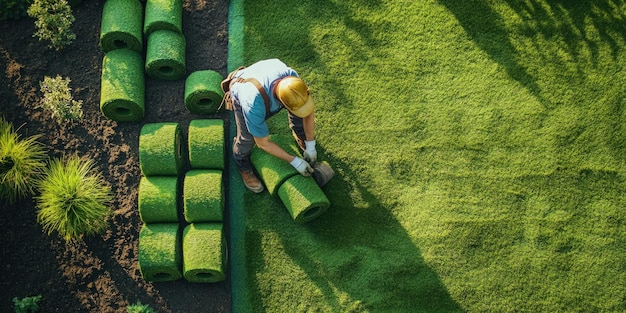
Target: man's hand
[(310, 154), (302, 166)]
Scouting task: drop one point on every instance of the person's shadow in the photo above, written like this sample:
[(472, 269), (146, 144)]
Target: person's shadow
[(357, 253)]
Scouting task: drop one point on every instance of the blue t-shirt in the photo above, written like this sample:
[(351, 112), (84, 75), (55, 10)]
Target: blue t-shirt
[(267, 72)]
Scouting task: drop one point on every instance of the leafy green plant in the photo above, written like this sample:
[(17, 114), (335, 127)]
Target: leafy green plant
[(58, 100), (22, 162), (73, 199), (27, 304), (53, 19), (139, 308), (13, 9)]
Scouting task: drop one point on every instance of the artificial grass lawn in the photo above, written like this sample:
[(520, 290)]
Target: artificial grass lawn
[(203, 92), (205, 255), (203, 196), (159, 252), (161, 151), (206, 144), (479, 150), (165, 55)]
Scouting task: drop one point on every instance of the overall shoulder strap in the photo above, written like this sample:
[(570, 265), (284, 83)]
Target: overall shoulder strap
[(258, 86)]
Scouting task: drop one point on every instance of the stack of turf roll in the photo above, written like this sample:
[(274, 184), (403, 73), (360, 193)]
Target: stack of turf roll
[(159, 253), (165, 51), (160, 160), (205, 256), (122, 92), (121, 25), (204, 245), (161, 149), (203, 92), (301, 196)]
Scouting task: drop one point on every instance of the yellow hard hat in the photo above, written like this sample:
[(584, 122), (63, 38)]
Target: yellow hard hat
[(294, 94)]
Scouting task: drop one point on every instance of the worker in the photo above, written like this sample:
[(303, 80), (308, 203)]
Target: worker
[(259, 91)]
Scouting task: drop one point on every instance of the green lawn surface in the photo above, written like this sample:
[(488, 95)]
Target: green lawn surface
[(480, 155)]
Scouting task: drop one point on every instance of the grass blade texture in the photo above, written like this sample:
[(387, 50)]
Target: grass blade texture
[(122, 94), (165, 55), (121, 25), (272, 170), (73, 199), (160, 149), (479, 153), (22, 162), (203, 196), (205, 258), (158, 199), (206, 144), (160, 252), (203, 92)]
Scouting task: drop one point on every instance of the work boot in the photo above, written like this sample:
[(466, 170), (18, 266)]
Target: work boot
[(251, 181)]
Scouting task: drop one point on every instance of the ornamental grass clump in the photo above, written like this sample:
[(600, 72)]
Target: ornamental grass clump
[(53, 20), (139, 308), (58, 100), (73, 199), (22, 162)]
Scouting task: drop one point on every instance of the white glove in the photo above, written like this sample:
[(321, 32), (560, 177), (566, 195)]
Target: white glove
[(310, 154), (302, 166)]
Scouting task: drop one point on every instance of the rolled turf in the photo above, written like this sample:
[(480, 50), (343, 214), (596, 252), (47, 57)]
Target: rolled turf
[(159, 255), (206, 144), (203, 196), (165, 55), (303, 198), (121, 25), (163, 15), (203, 92), (160, 149), (272, 170), (158, 199), (205, 256), (122, 92)]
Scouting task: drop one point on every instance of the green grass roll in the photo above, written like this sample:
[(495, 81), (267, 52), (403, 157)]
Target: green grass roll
[(121, 25), (122, 92), (163, 15), (159, 255), (203, 92), (158, 199), (165, 55), (160, 149), (205, 257), (272, 170), (203, 196), (303, 198), (206, 144)]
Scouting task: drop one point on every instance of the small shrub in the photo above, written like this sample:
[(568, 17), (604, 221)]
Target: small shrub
[(13, 9), (53, 19), (26, 305), (58, 100), (73, 199), (139, 308), (22, 162)]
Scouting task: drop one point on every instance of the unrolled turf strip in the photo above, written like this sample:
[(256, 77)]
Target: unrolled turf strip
[(159, 255), (205, 256), (203, 196), (165, 55), (163, 15), (272, 170), (303, 198), (121, 25), (122, 92), (203, 92), (160, 149), (158, 199), (205, 142)]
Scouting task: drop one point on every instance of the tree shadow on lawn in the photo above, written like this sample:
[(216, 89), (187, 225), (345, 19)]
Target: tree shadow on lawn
[(561, 22), (358, 256)]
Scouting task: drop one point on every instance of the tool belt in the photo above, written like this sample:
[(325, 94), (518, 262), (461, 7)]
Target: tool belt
[(227, 83)]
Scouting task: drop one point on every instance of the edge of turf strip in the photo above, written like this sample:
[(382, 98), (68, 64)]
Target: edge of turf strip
[(239, 294)]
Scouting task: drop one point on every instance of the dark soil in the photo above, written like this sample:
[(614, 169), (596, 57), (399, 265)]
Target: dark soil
[(99, 273)]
